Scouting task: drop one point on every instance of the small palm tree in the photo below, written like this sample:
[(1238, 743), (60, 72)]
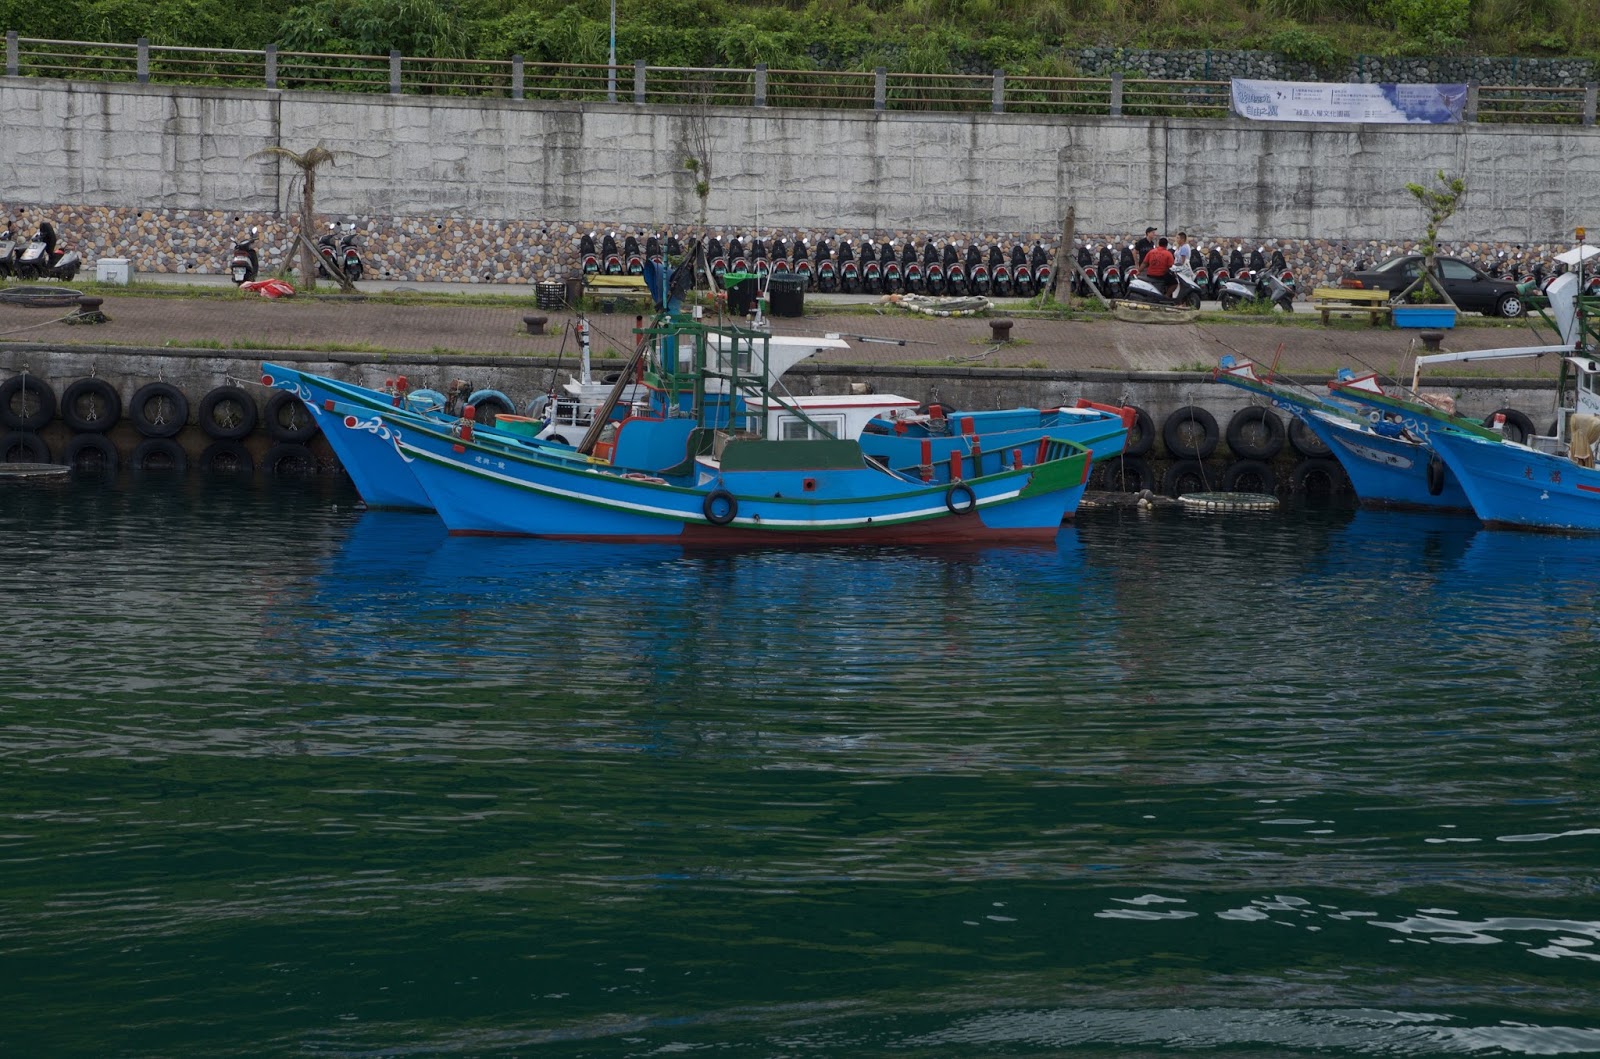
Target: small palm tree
[(307, 162)]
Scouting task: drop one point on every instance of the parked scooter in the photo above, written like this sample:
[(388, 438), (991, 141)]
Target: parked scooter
[(932, 269), (849, 270), (827, 271), (1280, 268), (1220, 273), (1087, 273), (1127, 268), (8, 252), (608, 253), (717, 261), (911, 269), (801, 262), (977, 271), (1256, 286), (871, 268), (1202, 272), (999, 271), (41, 259), (588, 257), (955, 273), (893, 276), (1110, 273), (1039, 261), (758, 258), (737, 261), (245, 262), (335, 255), (1180, 290), (1021, 272)]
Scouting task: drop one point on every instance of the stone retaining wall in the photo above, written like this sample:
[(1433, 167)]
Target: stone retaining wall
[(1204, 64)]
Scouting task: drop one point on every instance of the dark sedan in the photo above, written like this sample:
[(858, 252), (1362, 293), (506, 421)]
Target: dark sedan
[(1470, 289)]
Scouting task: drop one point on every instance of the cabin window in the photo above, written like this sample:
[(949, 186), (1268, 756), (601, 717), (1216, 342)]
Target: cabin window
[(793, 428)]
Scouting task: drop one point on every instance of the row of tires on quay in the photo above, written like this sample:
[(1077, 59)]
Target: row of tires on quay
[(91, 412), (1268, 456)]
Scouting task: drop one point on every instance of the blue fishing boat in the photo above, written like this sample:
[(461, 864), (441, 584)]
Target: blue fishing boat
[(720, 477), (1387, 466), (907, 436)]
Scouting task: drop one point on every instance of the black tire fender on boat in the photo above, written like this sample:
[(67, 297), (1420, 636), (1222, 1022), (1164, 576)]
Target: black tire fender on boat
[(91, 406), (1303, 441), (1179, 427), (227, 413), (1318, 474), (102, 455), (289, 458), (288, 420), (1249, 476), (158, 410), (1182, 475), (720, 507), (1515, 421), (1125, 474), (159, 454), (1435, 474), (26, 445), (1249, 444), (44, 407), (953, 499), (227, 457), (1142, 438), (491, 405)]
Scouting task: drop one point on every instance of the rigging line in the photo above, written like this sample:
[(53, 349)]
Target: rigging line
[(47, 323)]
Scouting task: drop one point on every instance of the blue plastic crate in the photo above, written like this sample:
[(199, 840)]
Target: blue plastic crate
[(1424, 316)]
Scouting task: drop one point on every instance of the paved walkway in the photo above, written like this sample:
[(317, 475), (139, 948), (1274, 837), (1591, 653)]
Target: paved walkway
[(217, 317)]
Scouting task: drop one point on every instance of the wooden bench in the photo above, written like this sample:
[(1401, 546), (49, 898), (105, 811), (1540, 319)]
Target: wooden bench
[(627, 288), (1348, 301)]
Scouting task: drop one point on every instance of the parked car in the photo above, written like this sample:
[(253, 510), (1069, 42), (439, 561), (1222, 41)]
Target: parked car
[(1471, 290)]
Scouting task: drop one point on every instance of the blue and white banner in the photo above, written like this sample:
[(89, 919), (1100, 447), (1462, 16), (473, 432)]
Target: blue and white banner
[(1326, 101)]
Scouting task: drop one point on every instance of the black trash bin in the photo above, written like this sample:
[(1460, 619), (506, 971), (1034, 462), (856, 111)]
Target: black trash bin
[(786, 294), (741, 297)]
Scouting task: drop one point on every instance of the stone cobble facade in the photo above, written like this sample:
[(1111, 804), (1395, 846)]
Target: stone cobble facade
[(476, 251)]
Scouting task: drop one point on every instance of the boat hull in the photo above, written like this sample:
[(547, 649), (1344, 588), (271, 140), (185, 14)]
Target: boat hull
[(1513, 486), (1388, 472), (479, 491), (365, 448)]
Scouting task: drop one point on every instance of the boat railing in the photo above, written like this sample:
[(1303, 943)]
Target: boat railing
[(879, 89)]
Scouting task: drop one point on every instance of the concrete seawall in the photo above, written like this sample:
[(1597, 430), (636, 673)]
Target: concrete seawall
[(497, 190)]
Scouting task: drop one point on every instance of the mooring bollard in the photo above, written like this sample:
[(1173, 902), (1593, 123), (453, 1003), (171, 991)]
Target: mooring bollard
[(1000, 330), (1431, 340), (88, 311), (535, 324)]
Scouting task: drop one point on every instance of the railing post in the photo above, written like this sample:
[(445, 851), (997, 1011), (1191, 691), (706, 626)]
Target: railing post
[(516, 77), (761, 84), (997, 100), (880, 88), (1116, 94), (638, 81), (1470, 113), (272, 66), (142, 66), (1590, 90), (394, 71), (13, 54)]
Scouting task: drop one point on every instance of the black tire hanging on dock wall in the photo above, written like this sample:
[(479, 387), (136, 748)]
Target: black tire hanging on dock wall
[(227, 413), (1124, 474), (91, 406), (1518, 426), (91, 452), (18, 411), (158, 410), (1318, 475), (227, 457), (1190, 433), (1142, 436), (1303, 441), (491, 405), (1435, 474), (289, 459), (159, 454), (23, 446), (288, 419), (1187, 476), (1249, 476), (1256, 433)]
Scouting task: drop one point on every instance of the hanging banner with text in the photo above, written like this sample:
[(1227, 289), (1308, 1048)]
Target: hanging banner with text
[(1325, 101)]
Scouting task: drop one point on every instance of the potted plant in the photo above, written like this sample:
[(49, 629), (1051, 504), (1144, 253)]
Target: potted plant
[(1425, 303)]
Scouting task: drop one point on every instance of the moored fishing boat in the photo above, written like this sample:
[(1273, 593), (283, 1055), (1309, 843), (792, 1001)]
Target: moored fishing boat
[(1387, 466), (719, 477)]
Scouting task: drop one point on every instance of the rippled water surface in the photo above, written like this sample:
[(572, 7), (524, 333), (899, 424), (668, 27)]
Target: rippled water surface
[(284, 778)]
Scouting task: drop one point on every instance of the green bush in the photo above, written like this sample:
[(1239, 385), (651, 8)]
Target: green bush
[(1305, 46)]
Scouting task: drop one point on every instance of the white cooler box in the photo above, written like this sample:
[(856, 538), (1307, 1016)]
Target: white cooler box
[(116, 270)]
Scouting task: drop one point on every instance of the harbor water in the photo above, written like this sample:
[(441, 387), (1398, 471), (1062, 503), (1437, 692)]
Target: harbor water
[(287, 778)]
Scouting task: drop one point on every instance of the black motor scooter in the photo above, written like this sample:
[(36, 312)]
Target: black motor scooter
[(245, 263)]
